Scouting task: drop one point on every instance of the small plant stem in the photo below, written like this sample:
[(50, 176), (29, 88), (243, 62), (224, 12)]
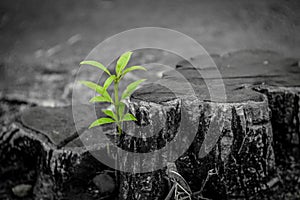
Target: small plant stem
[(116, 104), (116, 88)]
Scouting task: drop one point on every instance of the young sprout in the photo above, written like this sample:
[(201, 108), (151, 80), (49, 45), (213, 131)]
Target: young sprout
[(117, 116)]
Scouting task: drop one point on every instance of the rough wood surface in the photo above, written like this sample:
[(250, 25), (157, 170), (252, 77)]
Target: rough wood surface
[(259, 124), (243, 158), (41, 143)]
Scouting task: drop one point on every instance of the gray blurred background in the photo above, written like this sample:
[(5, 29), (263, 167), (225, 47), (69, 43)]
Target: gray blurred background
[(53, 36)]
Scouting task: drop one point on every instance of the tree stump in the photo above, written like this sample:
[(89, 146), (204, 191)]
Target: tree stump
[(243, 157), (233, 153), (44, 142)]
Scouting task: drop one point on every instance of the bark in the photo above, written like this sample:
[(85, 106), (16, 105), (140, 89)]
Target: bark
[(230, 152), (58, 172), (242, 160)]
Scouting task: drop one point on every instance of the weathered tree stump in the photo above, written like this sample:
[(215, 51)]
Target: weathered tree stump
[(243, 157), (44, 141), (284, 105), (258, 125)]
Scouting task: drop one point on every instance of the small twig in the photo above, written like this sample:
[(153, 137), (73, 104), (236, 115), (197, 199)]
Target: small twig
[(273, 182), (170, 193), (209, 174), (241, 147), (177, 180)]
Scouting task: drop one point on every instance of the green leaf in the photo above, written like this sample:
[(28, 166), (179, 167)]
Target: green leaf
[(121, 109), (108, 81), (133, 68), (99, 99), (104, 98), (98, 89), (131, 87), (107, 96), (95, 64), (122, 62), (129, 117), (110, 114), (101, 121), (93, 86)]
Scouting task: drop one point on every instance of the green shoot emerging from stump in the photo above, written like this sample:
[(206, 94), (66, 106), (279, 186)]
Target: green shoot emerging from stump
[(116, 116)]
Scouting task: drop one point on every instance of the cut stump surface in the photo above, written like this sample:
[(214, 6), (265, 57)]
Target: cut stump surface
[(238, 140)]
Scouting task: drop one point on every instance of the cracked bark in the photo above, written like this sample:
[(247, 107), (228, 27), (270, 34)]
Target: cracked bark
[(242, 158)]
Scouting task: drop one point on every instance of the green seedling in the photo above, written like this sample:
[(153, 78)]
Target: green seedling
[(116, 115)]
